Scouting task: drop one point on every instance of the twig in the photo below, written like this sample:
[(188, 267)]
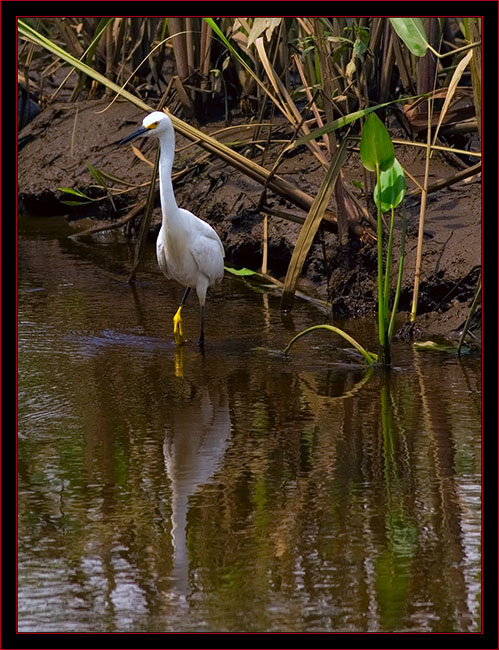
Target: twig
[(137, 209)]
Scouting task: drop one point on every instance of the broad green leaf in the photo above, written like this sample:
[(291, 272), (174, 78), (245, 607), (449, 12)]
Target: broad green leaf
[(392, 184), (359, 47), (376, 147), (412, 32)]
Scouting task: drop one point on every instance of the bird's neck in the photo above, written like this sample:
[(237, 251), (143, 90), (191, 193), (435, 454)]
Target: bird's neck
[(169, 207)]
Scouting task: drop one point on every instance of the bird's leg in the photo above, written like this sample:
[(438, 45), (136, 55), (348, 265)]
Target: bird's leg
[(201, 333), (178, 333)]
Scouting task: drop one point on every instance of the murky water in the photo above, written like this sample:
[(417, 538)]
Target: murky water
[(166, 490)]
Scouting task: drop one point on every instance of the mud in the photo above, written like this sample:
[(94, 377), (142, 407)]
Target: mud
[(55, 148)]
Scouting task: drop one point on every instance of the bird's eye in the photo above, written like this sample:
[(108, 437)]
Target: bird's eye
[(153, 125)]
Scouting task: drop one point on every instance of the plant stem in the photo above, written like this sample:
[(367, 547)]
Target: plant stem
[(369, 357), (387, 267), (424, 192), (399, 278), (384, 358), (265, 244), (456, 51), (470, 315)]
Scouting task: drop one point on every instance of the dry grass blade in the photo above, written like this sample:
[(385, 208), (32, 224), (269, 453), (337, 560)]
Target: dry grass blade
[(288, 106), (455, 114), (140, 156), (447, 182), (313, 106), (311, 225), (473, 33), (456, 78)]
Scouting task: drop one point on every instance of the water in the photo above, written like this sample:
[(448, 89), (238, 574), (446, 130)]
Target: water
[(166, 490)]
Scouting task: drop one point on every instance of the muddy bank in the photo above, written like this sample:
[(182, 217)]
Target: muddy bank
[(55, 148)]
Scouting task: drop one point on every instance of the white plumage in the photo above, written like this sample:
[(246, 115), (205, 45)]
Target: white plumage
[(188, 249)]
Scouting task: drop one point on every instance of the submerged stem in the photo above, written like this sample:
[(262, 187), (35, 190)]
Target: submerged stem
[(369, 357)]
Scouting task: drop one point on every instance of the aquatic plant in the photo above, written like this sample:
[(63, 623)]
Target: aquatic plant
[(377, 153), (369, 357)]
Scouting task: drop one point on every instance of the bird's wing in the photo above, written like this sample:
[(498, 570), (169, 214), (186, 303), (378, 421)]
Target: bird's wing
[(207, 250), (202, 227), (161, 256)]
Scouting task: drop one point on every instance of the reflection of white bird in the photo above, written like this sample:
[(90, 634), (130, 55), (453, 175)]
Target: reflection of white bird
[(187, 248), (194, 448)]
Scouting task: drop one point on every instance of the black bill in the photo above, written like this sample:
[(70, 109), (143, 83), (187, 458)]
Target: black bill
[(135, 134)]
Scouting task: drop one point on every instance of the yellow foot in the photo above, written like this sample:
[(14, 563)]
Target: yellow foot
[(179, 361), (178, 334)]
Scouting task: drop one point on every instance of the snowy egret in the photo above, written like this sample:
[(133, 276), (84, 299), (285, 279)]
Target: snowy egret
[(188, 249)]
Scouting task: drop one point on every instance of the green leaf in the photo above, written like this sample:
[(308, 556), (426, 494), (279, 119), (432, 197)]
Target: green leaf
[(72, 203), (96, 174), (345, 120), (359, 47), (101, 27), (412, 32), (243, 271), (82, 198), (392, 184), (376, 147), (69, 190), (115, 179)]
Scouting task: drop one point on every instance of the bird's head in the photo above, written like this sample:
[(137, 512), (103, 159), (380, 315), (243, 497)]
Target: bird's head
[(154, 124)]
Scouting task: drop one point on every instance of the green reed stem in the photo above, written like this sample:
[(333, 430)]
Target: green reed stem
[(386, 296), (384, 353), (391, 327)]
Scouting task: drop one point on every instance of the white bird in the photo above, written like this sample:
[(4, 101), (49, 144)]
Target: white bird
[(188, 249)]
